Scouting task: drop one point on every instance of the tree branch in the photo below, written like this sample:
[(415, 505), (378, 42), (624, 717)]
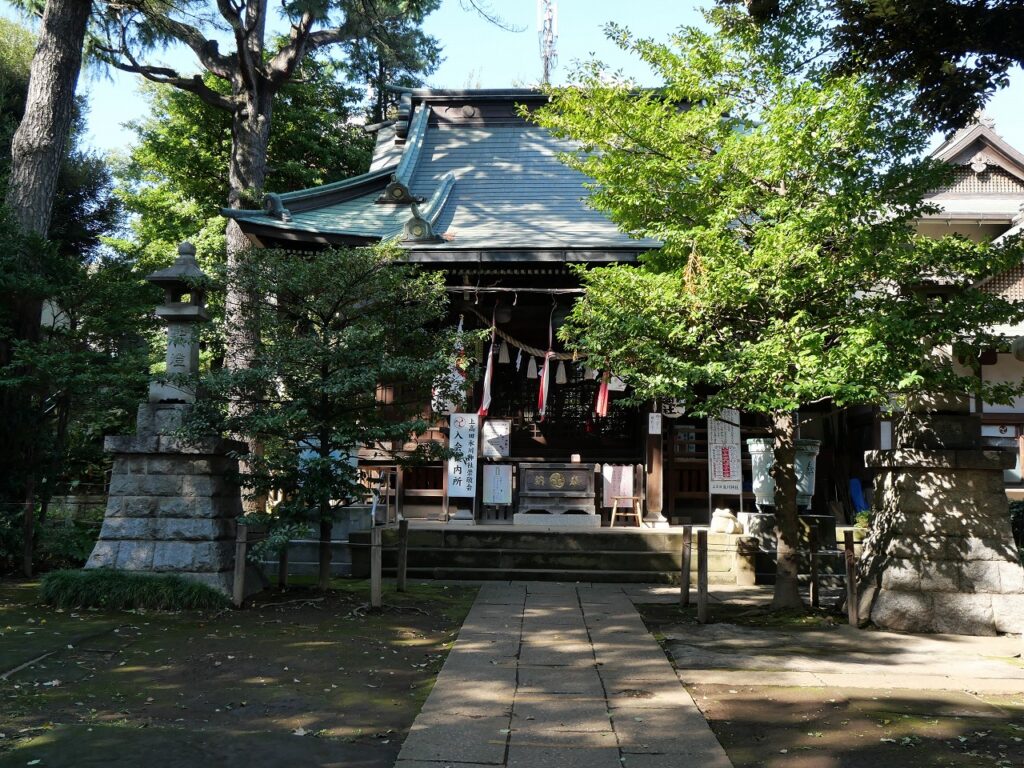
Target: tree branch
[(165, 75)]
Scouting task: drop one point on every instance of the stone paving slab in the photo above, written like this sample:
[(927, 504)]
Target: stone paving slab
[(550, 675)]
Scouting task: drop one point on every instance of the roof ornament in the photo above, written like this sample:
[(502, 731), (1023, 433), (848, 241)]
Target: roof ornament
[(418, 229), (404, 113), (984, 118), (273, 206), (397, 192)]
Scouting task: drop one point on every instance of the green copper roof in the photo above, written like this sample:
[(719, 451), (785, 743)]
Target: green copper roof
[(472, 169)]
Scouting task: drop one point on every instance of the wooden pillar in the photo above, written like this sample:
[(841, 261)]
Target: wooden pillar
[(375, 567), (403, 553), (241, 551), (655, 468)]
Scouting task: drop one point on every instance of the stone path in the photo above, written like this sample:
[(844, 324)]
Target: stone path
[(558, 676), (841, 657)]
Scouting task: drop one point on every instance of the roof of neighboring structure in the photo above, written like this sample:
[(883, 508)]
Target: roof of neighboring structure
[(988, 182), (460, 175)]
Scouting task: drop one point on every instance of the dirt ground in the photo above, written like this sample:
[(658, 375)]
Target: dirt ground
[(808, 726), (298, 679)]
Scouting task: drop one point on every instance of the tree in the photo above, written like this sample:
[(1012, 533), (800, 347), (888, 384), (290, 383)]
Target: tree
[(789, 274), (955, 53), (38, 146), (348, 338), (175, 178), (413, 56), (49, 377), (255, 67)]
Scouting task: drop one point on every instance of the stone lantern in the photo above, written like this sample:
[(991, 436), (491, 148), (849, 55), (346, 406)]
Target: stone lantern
[(173, 499), (183, 308)]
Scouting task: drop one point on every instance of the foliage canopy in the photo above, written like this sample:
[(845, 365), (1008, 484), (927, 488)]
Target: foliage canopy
[(790, 274)]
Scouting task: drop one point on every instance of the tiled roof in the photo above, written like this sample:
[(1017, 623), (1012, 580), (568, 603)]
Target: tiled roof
[(510, 189)]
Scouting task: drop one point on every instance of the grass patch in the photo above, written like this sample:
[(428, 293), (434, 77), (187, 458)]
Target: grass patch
[(118, 590), (657, 615)]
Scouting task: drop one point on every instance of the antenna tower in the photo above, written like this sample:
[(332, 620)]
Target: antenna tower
[(547, 32)]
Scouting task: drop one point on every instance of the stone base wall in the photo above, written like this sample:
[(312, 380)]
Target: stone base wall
[(940, 556), (172, 508)]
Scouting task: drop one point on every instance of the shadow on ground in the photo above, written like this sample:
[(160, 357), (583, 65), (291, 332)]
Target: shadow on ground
[(298, 679), (810, 692)]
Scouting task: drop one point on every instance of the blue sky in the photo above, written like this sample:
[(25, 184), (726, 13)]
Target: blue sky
[(479, 54)]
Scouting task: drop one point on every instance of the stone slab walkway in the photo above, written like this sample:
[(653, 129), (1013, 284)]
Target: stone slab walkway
[(558, 676)]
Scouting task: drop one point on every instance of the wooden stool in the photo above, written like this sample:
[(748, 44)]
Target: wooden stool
[(634, 510)]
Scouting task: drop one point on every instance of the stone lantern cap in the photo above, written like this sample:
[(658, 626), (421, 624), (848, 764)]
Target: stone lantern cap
[(183, 278)]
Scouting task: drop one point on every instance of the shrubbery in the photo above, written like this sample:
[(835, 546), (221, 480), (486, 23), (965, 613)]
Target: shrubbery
[(118, 590)]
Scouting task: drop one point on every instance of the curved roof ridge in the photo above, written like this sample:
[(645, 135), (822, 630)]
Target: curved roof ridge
[(397, 190)]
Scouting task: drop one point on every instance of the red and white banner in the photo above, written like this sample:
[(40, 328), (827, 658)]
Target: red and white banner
[(485, 398)]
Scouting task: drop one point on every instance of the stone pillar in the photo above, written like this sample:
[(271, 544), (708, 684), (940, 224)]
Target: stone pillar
[(940, 555), (173, 502)]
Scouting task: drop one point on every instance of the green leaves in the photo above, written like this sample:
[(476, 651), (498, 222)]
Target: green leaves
[(785, 198), (346, 355)]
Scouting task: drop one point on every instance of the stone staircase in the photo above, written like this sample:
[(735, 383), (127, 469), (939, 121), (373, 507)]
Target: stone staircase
[(529, 553)]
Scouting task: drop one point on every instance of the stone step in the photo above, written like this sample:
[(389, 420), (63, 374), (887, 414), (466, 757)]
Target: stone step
[(506, 537), (653, 556), (553, 574)]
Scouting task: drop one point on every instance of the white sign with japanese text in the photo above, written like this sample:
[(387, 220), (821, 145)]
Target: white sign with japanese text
[(497, 484), (496, 435), (725, 467), (462, 440)]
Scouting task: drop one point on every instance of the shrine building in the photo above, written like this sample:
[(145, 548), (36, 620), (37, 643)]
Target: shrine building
[(468, 186)]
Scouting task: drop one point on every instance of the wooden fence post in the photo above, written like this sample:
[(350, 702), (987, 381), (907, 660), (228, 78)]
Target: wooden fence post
[(812, 540), (851, 580), (376, 600), (702, 576), (403, 553), (241, 550), (282, 568), (684, 570)]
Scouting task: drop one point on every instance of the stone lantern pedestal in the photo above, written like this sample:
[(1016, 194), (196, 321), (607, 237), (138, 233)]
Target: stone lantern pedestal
[(173, 503), (940, 556)]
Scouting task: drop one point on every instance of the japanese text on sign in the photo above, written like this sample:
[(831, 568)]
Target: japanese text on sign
[(497, 484), (496, 442), (725, 470), (462, 466)]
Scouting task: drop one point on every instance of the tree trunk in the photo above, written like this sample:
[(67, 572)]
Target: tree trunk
[(326, 528), (37, 149), (783, 472), (250, 135)]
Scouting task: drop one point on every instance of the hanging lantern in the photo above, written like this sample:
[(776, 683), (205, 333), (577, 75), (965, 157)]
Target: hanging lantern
[(560, 377), (503, 352), (531, 368)]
